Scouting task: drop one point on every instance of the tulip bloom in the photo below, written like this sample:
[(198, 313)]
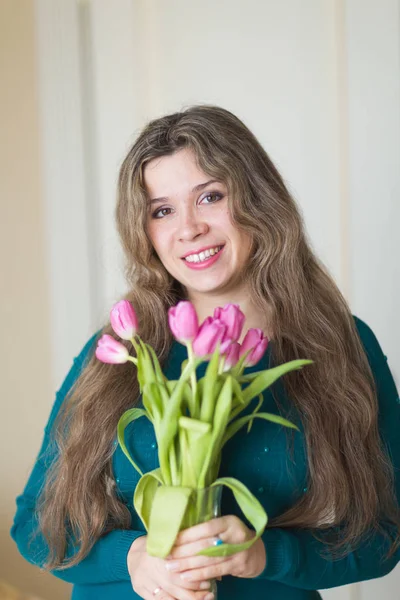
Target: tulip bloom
[(110, 351), (183, 322), (233, 318), (124, 320), (210, 333), (256, 343), (232, 356)]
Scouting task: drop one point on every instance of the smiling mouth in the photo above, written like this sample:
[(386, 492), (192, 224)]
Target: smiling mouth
[(203, 256)]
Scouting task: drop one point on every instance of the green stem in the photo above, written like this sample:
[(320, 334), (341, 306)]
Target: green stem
[(221, 365), (193, 380), (135, 344), (173, 465)]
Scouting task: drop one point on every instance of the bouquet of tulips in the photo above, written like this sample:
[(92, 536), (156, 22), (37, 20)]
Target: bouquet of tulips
[(193, 418)]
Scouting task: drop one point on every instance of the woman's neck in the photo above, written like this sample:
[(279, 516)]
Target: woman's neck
[(254, 317)]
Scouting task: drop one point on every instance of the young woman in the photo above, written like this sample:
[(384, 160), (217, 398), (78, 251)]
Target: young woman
[(204, 215)]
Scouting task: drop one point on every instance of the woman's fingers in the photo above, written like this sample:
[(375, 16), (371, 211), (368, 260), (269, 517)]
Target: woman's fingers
[(149, 574), (211, 571), (192, 586), (148, 594), (194, 562), (229, 528), (190, 549), (170, 591), (208, 529), (180, 593), (161, 595)]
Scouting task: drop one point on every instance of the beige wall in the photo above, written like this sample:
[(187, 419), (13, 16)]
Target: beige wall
[(26, 393)]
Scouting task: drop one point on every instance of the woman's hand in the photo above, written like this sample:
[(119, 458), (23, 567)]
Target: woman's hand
[(229, 529), (149, 573)]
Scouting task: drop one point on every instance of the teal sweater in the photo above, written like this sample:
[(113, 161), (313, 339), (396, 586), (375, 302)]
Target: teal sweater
[(295, 568)]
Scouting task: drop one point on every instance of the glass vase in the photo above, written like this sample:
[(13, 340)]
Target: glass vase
[(204, 504)]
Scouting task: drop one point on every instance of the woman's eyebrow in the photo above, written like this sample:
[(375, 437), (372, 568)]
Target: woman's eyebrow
[(197, 188), (201, 186)]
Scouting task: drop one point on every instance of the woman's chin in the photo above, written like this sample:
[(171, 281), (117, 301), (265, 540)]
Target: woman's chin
[(208, 287)]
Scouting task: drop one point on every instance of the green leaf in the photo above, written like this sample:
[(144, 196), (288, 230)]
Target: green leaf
[(171, 385), (208, 396), (249, 377), (166, 391), (255, 411), (222, 411), (144, 494), (238, 424), (169, 424), (253, 511), (173, 464), (159, 374), (167, 512), (149, 374), (139, 366), (130, 415), (152, 400), (237, 391), (189, 401), (220, 421), (186, 467), (195, 443), (194, 425), (268, 377)]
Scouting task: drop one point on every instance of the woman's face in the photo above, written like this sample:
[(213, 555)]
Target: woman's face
[(190, 227)]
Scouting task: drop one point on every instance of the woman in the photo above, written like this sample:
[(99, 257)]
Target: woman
[(204, 215)]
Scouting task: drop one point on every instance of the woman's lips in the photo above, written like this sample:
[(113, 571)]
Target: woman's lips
[(205, 263)]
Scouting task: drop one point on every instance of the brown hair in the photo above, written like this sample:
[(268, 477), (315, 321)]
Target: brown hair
[(350, 476)]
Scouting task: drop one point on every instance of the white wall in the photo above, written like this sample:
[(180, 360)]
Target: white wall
[(373, 69), (373, 72), (317, 81), (25, 352)]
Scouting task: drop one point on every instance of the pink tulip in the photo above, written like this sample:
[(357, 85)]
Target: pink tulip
[(233, 318), (124, 320), (257, 344), (232, 356), (210, 333), (110, 351), (183, 322)]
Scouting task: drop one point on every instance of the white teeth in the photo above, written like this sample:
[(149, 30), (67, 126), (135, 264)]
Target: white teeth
[(203, 255)]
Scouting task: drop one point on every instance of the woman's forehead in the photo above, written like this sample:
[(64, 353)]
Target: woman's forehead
[(173, 173)]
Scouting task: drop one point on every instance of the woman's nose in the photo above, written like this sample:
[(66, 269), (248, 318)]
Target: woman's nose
[(191, 226)]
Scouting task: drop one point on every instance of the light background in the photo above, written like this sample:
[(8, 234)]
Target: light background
[(318, 81)]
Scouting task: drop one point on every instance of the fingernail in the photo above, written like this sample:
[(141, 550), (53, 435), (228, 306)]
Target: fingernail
[(186, 576), (171, 566), (209, 596), (204, 585)]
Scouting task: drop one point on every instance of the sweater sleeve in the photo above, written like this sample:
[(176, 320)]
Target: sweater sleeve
[(106, 562), (294, 555)]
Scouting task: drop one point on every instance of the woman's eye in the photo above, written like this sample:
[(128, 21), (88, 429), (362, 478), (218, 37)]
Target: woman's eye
[(212, 197), (161, 212)]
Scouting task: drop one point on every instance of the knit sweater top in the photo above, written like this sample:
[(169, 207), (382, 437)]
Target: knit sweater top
[(296, 564)]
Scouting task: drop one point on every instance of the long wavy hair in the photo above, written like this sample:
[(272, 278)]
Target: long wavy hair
[(350, 475)]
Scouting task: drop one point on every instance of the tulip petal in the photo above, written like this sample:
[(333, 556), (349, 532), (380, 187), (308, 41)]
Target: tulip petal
[(110, 351), (233, 318), (183, 321), (124, 320)]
